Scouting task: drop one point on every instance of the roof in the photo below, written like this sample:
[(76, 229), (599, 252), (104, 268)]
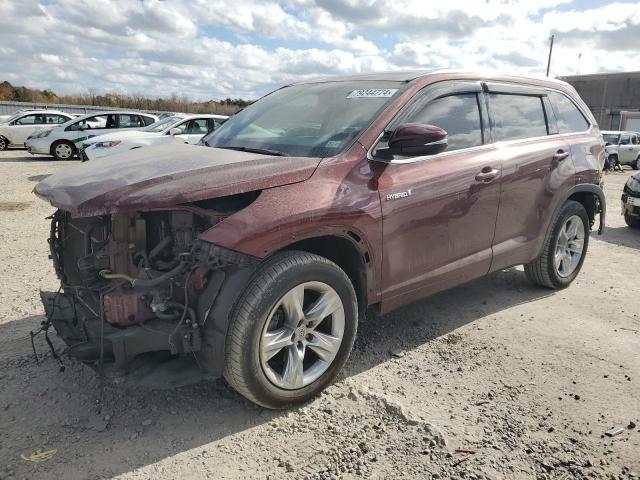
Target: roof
[(203, 115), (38, 111), (107, 112), (409, 75)]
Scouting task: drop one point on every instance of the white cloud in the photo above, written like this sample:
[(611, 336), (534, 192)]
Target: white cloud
[(216, 48)]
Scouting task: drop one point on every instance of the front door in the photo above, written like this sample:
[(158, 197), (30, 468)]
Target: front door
[(626, 149), (439, 212), (25, 126)]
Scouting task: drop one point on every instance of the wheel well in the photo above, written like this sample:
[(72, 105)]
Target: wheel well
[(589, 201), (343, 253)]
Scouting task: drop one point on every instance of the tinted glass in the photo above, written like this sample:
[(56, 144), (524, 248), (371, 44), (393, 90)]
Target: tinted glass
[(458, 115), (569, 118), (634, 139), (625, 140), (306, 120), (517, 116)]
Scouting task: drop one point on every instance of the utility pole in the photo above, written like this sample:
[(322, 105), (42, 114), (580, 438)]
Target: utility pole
[(550, 50), (579, 57)]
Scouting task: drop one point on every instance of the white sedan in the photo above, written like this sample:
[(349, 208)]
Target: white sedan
[(188, 129), (15, 130), (61, 141)]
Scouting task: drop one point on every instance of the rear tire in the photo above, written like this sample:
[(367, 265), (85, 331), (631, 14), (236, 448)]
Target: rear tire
[(63, 150), (274, 355), (558, 263), (633, 222), (636, 165), (4, 143)]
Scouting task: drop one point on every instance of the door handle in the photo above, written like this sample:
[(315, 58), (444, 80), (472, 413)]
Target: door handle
[(487, 175), (560, 155)]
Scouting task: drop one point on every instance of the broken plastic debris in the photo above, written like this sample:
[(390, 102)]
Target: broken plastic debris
[(40, 455)]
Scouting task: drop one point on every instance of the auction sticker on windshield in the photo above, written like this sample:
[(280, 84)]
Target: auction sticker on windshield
[(373, 93)]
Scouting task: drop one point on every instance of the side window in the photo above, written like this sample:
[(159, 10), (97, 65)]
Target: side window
[(55, 119), (458, 115), (569, 117), (147, 120), (30, 120), (197, 126), (634, 139), (91, 123), (130, 121), (625, 140), (517, 116), (182, 127)]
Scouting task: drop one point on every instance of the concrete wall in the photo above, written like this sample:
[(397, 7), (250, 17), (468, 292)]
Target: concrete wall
[(609, 94)]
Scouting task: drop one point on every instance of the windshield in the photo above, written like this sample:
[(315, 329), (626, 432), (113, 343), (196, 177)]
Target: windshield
[(611, 138), (162, 124), (307, 120)]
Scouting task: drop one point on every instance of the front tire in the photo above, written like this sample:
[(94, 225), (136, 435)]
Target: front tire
[(636, 165), (63, 150), (291, 331), (564, 248), (633, 222), (4, 143)]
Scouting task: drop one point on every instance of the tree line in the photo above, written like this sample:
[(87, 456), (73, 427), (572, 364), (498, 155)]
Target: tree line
[(174, 103)]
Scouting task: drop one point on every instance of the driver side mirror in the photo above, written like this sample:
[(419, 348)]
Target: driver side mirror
[(415, 140), (174, 131)]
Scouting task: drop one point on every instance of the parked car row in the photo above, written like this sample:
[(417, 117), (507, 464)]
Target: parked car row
[(99, 134)]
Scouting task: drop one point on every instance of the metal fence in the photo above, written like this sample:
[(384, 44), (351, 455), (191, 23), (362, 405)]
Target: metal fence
[(9, 108)]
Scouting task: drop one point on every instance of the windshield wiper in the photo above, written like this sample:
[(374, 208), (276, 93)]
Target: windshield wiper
[(264, 151)]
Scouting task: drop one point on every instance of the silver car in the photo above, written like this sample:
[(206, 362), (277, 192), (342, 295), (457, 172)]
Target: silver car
[(623, 146)]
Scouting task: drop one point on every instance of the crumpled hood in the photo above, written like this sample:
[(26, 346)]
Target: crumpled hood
[(165, 176)]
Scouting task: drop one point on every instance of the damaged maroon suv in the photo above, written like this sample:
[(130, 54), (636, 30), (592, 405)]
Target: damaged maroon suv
[(257, 252)]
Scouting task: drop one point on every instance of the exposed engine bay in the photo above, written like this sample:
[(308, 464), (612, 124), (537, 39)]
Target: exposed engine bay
[(132, 283)]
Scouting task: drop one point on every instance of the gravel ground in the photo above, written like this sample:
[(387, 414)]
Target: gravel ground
[(494, 379)]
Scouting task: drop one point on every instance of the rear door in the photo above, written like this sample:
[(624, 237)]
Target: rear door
[(439, 211), (536, 168), (587, 145)]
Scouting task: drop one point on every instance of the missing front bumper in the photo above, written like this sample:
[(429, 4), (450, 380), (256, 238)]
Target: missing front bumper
[(89, 338)]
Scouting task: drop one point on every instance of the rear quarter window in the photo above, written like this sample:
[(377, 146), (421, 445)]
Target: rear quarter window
[(569, 118), (517, 116)]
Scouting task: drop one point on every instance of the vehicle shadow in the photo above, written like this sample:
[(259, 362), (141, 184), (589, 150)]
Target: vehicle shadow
[(44, 407), (625, 236), (25, 157)]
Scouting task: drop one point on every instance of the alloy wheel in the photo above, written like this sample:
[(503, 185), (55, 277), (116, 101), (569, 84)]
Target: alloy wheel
[(302, 335), (570, 246)]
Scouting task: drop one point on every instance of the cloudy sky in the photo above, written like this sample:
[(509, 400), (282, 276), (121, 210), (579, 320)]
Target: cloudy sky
[(244, 48)]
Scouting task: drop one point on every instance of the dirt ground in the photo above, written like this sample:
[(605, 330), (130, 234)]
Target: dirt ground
[(526, 381)]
